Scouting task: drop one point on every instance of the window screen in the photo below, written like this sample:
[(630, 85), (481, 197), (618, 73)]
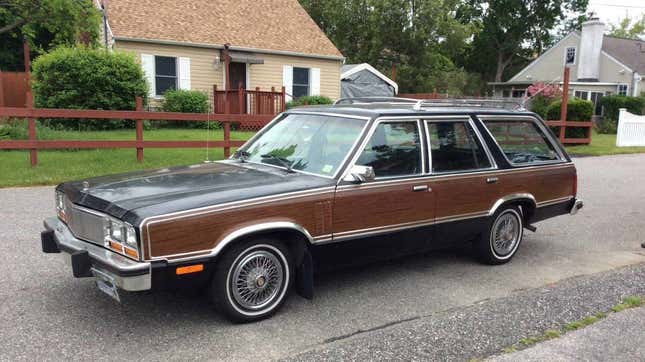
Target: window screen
[(522, 141), (454, 146), (393, 150), (570, 56), (300, 82), (165, 74)]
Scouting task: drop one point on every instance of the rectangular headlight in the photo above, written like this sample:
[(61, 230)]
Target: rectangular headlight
[(61, 208), (121, 237)]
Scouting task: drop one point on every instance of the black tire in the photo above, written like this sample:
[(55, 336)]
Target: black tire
[(238, 263), (490, 252)]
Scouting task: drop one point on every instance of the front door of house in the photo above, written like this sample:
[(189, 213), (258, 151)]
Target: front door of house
[(238, 80)]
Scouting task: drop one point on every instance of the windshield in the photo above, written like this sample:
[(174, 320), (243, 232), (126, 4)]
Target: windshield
[(316, 144)]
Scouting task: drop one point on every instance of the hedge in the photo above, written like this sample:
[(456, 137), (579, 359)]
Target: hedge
[(86, 78), (187, 101), (577, 110), (309, 100), (612, 105)]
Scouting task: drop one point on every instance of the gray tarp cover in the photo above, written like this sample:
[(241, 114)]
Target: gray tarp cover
[(365, 84)]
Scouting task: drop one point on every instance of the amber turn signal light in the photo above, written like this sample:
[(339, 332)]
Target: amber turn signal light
[(116, 246), (190, 269), (131, 253)]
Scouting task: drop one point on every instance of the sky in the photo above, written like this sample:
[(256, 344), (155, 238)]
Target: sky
[(612, 11)]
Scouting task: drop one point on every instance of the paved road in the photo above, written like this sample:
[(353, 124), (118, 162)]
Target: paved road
[(47, 314)]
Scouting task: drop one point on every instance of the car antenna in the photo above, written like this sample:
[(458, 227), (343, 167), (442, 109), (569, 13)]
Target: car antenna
[(208, 132)]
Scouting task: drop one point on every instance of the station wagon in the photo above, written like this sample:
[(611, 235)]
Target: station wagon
[(361, 171)]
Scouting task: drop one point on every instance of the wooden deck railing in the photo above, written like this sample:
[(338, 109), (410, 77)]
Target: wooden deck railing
[(33, 144), (246, 101)]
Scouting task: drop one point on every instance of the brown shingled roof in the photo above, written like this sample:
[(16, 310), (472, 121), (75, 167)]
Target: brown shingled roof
[(276, 25)]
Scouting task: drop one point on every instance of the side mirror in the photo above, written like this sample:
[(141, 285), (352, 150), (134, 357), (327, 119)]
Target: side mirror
[(359, 174)]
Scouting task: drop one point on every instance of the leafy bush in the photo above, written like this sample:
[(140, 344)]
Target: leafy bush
[(577, 110), (612, 105), (309, 100), (85, 78), (540, 104), (187, 101), (14, 129)]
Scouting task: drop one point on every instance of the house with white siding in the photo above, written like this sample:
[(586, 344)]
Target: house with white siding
[(599, 65), (180, 45)]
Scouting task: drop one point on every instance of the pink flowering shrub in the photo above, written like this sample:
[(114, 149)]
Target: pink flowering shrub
[(548, 90)]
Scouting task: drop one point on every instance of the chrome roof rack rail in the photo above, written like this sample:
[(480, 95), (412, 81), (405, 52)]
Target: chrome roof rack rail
[(419, 104), (370, 100)]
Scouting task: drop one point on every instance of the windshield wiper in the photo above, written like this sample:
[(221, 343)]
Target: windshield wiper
[(241, 155), (283, 161)]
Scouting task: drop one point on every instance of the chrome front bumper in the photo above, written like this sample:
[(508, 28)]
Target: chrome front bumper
[(577, 205), (87, 258)]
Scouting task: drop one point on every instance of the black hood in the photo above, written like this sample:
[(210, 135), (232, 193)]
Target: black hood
[(135, 196)]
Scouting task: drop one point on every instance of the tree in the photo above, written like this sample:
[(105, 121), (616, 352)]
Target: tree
[(511, 31), (625, 29), (45, 24), (422, 37)]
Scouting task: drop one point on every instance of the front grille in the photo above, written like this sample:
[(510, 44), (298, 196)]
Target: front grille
[(85, 223)]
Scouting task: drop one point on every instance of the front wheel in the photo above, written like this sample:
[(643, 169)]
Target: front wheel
[(500, 242), (252, 280)]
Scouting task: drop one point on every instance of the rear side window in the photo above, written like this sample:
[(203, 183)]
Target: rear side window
[(522, 141), (454, 146), (393, 150)]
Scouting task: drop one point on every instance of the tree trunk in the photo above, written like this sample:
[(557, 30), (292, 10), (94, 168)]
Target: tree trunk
[(502, 63)]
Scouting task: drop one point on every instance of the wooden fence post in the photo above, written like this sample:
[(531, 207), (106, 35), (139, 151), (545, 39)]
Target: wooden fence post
[(258, 100), (139, 131), (33, 152), (284, 99), (564, 105), (214, 98), (272, 101)]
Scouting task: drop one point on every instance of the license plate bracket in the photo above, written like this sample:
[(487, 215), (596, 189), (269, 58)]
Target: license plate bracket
[(105, 283)]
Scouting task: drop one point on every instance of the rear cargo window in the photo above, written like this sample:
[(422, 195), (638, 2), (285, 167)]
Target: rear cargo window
[(522, 142)]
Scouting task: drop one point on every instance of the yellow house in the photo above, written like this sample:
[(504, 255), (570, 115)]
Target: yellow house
[(180, 45)]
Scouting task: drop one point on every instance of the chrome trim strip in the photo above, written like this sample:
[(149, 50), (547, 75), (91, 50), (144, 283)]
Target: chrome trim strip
[(510, 197), (481, 173), (554, 201), (208, 253)]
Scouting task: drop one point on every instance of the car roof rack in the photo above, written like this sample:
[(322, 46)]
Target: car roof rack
[(419, 104)]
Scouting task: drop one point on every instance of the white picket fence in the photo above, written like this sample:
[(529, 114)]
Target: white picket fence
[(631, 129)]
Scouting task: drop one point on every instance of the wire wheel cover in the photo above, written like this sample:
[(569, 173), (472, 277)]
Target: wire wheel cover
[(257, 280), (506, 234)]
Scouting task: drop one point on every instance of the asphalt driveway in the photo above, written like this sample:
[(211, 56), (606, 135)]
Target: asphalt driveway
[(47, 314)]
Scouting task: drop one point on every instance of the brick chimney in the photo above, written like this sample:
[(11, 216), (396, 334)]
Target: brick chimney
[(590, 47)]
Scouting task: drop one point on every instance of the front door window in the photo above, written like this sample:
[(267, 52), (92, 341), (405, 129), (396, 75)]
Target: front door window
[(394, 150)]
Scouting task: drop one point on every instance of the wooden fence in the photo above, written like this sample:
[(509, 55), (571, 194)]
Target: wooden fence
[(33, 144), (246, 101), (13, 89)]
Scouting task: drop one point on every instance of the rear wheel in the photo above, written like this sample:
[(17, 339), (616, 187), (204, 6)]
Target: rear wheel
[(252, 280), (500, 242)]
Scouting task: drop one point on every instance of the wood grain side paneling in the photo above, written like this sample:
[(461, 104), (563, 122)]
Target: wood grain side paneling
[(204, 231)]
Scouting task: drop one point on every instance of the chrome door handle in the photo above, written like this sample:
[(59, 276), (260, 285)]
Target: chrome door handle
[(491, 180), (421, 188)]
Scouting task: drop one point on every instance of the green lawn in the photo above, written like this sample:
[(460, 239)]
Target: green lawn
[(56, 166), (602, 144)]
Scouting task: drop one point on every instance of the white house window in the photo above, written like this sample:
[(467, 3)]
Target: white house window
[(300, 82), (165, 74), (623, 89), (570, 56)]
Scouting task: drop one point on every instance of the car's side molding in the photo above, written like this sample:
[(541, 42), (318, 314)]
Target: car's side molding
[(249, 230), (511, 197)]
